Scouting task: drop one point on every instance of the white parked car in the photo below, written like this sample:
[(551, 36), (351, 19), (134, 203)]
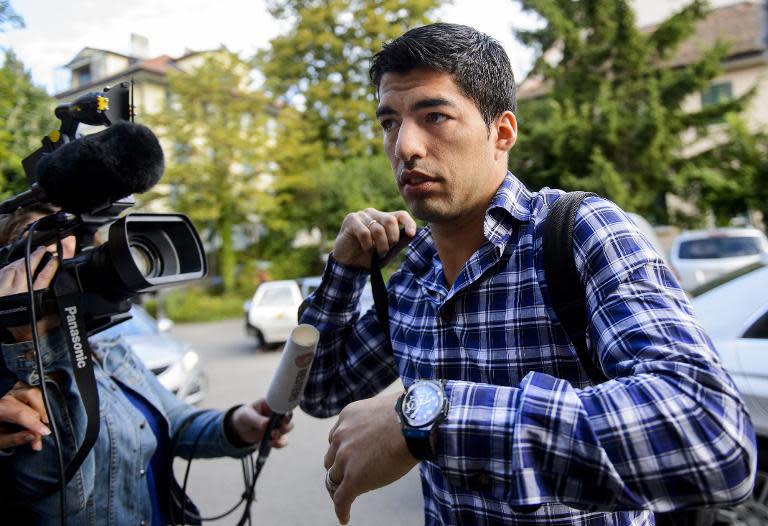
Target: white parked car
[(734, 312), (699, 256), (175, 363), (272, 313)]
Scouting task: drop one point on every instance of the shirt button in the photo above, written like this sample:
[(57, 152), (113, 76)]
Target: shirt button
[(143, 425), (143, 523), (484, 480), (141, 472)]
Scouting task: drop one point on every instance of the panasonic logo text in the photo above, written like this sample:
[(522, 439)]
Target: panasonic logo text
[(74, 336)]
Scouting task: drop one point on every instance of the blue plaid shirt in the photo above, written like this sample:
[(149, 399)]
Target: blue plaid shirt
[(527, 439)]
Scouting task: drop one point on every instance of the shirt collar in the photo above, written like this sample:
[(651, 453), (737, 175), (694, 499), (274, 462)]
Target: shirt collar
[(510, 205)]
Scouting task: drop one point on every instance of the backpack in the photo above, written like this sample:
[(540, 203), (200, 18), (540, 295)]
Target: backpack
[(569, 302)]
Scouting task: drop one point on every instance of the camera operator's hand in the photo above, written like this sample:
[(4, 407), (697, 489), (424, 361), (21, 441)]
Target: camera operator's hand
[(250, 421), (367, 230), (23, 406), (13, 280)]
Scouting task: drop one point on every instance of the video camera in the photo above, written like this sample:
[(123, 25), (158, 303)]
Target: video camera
[(92, 179)]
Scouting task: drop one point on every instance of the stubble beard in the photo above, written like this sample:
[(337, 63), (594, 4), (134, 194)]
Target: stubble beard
[(432, 212)]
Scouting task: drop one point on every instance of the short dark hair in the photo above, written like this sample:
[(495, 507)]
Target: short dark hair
[(477, 63)]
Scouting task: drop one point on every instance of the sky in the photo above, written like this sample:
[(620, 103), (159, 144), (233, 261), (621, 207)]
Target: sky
[(56, 31)]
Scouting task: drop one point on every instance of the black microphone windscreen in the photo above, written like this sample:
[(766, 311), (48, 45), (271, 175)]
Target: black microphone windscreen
[(101, 168)]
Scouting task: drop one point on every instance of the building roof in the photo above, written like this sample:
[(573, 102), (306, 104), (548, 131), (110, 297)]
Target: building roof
[(87, 51), (159, 66), (741, 26)]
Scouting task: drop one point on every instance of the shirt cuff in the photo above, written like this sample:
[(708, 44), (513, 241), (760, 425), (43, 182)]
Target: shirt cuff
[(476, 432), (230, 433)]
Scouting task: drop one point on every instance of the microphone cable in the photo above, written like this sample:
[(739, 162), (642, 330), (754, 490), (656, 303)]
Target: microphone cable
[(177, 494), (41, 368), (251, 469)]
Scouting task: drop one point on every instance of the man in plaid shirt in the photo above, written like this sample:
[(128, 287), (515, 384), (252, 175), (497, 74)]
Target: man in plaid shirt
[(522, 436)]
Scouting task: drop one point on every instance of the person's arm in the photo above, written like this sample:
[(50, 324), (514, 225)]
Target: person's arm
[(34, 470), (210, 433), (21, 406), (352, 359), (668, 430)]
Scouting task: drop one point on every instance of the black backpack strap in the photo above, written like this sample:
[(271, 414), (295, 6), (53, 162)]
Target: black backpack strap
[(563, 282)]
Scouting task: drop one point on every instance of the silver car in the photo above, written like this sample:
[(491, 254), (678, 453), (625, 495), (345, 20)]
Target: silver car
[(175, 363), (699, 256), (734, 312)]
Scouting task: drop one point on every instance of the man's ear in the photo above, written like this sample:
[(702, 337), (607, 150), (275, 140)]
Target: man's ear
[(506, 133)]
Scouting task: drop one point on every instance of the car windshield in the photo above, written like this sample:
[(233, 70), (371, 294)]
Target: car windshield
[(276, 297), (719, 247)]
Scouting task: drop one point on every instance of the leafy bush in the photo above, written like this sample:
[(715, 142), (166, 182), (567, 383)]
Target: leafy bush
[(196, 304)]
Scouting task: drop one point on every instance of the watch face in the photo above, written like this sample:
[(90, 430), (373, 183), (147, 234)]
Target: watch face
[(422, 403)]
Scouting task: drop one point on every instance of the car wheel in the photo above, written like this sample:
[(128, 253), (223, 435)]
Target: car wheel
[(258, 339)]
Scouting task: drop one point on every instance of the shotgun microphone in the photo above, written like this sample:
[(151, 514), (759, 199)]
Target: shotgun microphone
[(95, 170)]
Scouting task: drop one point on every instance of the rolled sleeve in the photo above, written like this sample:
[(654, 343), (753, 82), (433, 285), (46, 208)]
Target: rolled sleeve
[(353, 360)]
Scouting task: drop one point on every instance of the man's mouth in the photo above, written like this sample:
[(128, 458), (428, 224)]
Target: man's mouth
[(414, 178)]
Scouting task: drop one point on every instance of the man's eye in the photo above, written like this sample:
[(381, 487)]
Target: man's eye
[(387, 124), (436, 118)]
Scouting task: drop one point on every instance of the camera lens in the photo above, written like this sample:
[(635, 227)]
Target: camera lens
[(146, 260), (144, 252)]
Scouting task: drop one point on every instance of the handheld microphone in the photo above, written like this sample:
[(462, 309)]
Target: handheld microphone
[(292, 371), (95, 170), (289, 381), (284, 392)]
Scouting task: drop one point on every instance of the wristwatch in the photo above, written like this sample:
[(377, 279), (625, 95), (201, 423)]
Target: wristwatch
[(420, 410)]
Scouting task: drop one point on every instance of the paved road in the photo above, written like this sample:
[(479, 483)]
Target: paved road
[(290, 489)]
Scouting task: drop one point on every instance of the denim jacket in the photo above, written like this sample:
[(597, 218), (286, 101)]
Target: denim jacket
[(110, 487)]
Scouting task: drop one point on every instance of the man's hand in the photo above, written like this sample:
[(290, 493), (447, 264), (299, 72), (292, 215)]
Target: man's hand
[(367, 451), (362, 232), (250, 421), (23, 406)]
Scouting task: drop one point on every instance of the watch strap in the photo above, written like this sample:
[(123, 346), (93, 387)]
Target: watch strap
[(420, 443)]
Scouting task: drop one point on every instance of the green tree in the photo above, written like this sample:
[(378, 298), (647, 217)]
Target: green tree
[(328, 153), (26, 115), (214, 130), (321, 65), (731, 178), (612, 120)]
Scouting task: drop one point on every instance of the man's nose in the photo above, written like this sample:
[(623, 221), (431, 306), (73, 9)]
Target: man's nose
[(411, 142)]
